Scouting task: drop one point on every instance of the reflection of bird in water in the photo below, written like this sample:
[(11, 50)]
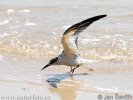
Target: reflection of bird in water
[(70, 55), (67, 90)]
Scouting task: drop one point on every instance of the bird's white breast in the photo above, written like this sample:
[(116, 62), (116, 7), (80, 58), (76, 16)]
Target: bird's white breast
[(63, 60)]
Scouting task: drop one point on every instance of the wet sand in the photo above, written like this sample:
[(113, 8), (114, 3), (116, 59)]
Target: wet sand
[(22, 76)]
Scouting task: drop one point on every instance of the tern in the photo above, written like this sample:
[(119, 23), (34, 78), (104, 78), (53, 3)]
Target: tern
[(70, 55)]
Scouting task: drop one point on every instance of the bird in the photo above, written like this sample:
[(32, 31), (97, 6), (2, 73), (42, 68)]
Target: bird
[(70, 55)]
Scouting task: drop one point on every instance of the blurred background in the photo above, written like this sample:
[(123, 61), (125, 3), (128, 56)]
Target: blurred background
[(34, 28)]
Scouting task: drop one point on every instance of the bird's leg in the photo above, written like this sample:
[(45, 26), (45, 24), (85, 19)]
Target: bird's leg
[(74, 69), (91, 69), (70, 70)]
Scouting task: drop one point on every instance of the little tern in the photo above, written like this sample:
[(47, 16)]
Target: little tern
[(70, 55)]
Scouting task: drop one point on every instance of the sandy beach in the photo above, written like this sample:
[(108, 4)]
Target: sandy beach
[(19, 79)]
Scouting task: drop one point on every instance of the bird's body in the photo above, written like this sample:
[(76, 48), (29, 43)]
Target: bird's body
[(68, 61), (70, 55)]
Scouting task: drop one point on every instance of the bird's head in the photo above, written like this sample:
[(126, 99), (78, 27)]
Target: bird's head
[(51, 62)]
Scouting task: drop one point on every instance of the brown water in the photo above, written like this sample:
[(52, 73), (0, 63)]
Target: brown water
[(30, 33)]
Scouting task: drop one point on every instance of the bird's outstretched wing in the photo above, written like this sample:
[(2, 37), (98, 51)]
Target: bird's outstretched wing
[(70, 36)]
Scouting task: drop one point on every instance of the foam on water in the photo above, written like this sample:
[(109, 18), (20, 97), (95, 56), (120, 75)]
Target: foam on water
[(6, 21), (24, 11), (66, 26), (9, 11), (30, 23), (1, 57), (3, 35)]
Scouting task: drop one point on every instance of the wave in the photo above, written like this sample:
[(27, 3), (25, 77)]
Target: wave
[(42, 49)]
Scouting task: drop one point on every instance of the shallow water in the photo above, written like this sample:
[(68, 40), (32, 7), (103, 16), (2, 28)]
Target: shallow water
[(30, 35), (24, 78)]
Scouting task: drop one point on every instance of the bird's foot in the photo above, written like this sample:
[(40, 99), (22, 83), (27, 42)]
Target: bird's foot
[(91, 69), (70, 72)]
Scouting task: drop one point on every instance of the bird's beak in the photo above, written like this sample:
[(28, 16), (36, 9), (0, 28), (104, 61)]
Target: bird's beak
[(45, 67)]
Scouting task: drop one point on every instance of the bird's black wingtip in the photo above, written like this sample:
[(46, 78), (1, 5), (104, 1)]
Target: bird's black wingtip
[(93, 19), (85, 23), (104, 15), (101, 16)]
